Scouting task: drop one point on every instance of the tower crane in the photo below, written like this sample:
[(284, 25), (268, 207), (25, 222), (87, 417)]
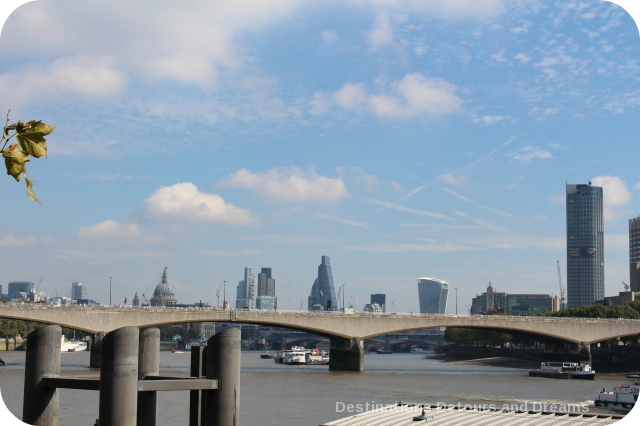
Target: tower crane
[(218, 293), (626, 286), (562, 294), (39, 282)]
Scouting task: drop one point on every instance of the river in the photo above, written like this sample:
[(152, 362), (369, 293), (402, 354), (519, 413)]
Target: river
[(274, 394)]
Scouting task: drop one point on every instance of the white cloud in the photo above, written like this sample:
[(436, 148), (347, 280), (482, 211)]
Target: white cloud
[(381, 34), (9, 240), (343, 221), (453, 180), (499, 56), (329, 37), (523, 58), (615, 194), (79, 75), (444, 9), (288, 184), (414, 95), (637, 185), (529, 153), (488, 120), (109, 229), (183, 202)]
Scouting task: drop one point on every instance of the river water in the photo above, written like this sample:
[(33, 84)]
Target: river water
[(276, 394)]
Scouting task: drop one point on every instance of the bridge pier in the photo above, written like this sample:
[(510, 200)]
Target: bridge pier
[(222, 405), (119, 378), (346, 354), (96, 350), (40, 406), (148, 365)]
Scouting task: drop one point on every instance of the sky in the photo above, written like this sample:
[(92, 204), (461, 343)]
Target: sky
[(400, 138)]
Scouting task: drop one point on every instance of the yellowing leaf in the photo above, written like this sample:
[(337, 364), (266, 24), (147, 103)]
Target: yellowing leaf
[(31, 137), (14, 160), (30, 192)]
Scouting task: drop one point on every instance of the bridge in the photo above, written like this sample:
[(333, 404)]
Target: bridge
[(345, 331)]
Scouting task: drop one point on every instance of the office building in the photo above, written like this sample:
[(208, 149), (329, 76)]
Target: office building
[(493, 303), (323, 293), (78, 291), (432, 294), (267, 303), (634, 254), (16, 287), (246, 291), (585, 245), (381, 300), (266, 284)]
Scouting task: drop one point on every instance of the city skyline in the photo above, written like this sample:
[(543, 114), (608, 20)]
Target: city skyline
[(400, 140)]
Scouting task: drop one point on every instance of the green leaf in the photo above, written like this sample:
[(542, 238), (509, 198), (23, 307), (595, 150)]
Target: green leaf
[(15, 160), (31, 137), (30, 192)]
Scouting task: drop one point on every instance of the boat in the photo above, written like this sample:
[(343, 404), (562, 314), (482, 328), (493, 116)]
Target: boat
[(622, 397), (72, 345), (176, 351), (267, 355), (384, 352), (295, 356), (299, 355), (564, 370), (418, 350), (2, 361)]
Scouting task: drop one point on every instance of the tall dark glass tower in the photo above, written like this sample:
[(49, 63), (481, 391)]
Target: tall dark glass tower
[(634, 253), (323, 294), (585, 245)]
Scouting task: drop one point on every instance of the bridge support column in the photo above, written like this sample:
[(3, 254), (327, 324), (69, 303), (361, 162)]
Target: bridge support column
[(40, 404), (119, 378), (196, 397), (346, 354), (148, 365), (96, 350), (222, 406)]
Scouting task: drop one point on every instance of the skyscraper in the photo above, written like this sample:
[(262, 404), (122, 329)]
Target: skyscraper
[(432, 294), (323, 294), (380, 299), (634, 253), (585, 245), (246, 293), (266, 284), (78, 291)]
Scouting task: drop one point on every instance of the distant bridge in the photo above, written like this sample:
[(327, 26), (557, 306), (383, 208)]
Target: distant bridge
[(345, 331)]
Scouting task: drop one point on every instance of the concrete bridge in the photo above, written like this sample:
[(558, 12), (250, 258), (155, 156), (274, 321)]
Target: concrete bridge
[(345, 331)]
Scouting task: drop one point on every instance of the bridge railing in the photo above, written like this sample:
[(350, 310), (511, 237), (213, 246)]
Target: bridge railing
[(306, 312)]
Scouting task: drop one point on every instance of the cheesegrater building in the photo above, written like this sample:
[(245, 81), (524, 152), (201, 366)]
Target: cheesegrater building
[(585, 245)]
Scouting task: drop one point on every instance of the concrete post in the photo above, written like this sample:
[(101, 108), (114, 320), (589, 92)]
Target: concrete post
[(148, 365), (346, 354), (196, 397), (119, 378), (96, 350), (222, 406), (40, 404)]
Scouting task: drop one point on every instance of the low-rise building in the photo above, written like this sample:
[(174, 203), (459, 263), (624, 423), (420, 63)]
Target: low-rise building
[(493, 303)]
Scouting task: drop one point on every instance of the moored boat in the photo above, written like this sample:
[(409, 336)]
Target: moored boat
[(564, 370), (622, 397), (267, 355)]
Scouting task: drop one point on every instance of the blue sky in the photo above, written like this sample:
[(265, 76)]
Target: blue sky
[(402, 139)]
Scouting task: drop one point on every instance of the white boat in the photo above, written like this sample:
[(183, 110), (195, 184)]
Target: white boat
[(72, 345), (564, 370), (622, 397), (418, 350), (296, 356), (299, 355)]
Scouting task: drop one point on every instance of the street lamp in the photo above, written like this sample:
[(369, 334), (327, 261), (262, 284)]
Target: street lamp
[(456, 289), (110, 291)]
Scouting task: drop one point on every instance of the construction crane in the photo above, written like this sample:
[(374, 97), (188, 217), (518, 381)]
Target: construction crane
[(146, 302), (218, 293), (562, 294), (394, 301), (39, 282), (626, 286)]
